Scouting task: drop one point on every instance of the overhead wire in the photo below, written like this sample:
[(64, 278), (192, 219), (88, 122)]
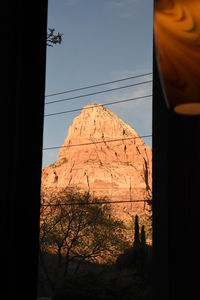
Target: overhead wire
[(97, 142), (96, 203), (93, 106), (96, 93), (97, 85)]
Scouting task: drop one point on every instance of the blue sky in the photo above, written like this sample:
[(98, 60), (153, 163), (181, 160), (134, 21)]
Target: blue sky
[(103, 40)]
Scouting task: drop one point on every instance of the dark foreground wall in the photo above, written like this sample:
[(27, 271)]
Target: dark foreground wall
[(23, 52), (176, 167), (176, 193)]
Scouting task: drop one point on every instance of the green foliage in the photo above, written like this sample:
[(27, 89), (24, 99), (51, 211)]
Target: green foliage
[(145, 220), (64, 160), (60, 163), (77, 229), (136, 233), (52, 165), (139, 257), (143, 236), (110, 284)]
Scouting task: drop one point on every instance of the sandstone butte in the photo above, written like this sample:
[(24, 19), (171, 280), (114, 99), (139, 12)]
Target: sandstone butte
[(120, 169)]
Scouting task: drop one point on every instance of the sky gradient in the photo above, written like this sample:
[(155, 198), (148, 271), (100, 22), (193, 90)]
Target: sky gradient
[(103, 40)]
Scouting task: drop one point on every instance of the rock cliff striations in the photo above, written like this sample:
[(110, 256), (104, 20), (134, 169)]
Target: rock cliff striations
[(105, 156)]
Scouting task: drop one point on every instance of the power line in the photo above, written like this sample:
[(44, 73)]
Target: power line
[(96, 93), (98, 142), (95, 203), (96, 85), (93, 106)]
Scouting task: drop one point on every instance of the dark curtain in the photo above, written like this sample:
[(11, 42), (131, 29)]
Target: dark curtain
[(23, 45)]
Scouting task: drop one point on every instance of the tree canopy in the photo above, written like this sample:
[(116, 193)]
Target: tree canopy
[(76, 227)]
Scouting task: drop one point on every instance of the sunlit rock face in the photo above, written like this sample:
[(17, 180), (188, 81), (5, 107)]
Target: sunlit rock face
[(120, 170), (177, 37)]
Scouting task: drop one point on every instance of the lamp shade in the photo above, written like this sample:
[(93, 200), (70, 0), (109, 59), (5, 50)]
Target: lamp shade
[(177, 46)]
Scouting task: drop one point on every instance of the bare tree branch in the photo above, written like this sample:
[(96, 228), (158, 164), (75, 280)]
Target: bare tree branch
[(52, 38)]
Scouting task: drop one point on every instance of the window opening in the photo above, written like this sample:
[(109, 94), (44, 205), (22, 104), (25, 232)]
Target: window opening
[(96, 187)]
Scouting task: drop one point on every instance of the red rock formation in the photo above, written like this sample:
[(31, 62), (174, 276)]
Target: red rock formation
[(120, 169)]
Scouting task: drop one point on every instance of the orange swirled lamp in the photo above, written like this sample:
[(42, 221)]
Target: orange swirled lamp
[(177, 44)]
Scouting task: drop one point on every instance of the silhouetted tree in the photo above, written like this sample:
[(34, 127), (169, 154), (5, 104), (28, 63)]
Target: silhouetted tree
[(77, 228), (143, 236), (52, 38), (136, 235)]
